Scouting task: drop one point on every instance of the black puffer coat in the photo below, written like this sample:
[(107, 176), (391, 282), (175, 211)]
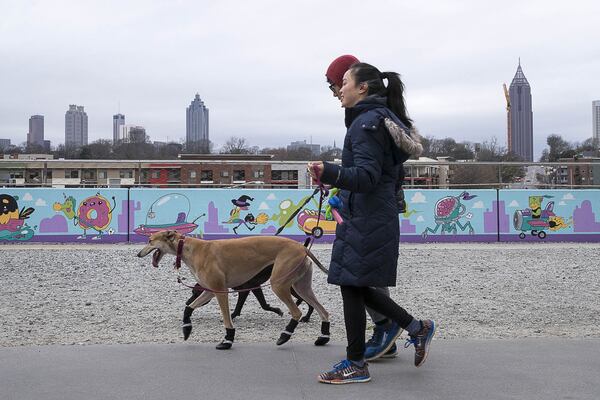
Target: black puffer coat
[(365, 250)]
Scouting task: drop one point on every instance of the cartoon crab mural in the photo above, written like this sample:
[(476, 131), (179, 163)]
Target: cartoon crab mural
[(447, 213), (94, 212)]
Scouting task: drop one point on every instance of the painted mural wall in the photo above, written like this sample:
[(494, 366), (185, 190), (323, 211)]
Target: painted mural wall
[(63, 215), (131, 215), (550, 215)]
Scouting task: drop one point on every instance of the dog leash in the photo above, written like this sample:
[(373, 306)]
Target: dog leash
[(323, 193)]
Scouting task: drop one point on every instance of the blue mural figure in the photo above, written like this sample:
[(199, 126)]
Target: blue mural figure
[(447, 213)]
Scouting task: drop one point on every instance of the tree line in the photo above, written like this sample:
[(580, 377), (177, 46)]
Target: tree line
[(434, 148)]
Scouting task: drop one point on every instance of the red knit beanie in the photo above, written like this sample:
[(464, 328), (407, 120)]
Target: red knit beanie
[(338, 67)]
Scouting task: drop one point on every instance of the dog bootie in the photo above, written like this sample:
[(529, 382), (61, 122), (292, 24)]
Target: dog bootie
[(228, 341), (289, 331), (187, 322), (323, 339)]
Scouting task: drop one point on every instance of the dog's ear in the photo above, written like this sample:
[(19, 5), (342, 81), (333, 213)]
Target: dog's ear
[(171, 235)]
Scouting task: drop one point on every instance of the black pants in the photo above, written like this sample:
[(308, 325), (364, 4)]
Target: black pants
[(355, 299)]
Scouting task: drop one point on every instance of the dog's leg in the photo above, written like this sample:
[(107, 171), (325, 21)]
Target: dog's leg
[(300, 300), (196, 291), (199, 301), (241, 300), (260, 296), (223, 299), (304, 288), (283, 292)]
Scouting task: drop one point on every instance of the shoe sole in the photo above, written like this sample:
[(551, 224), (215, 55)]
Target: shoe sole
[(392, 355), (381, 353), (343, 382), (427, 344)]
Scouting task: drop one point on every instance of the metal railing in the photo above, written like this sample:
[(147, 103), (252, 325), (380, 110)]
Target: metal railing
[(419, 175)]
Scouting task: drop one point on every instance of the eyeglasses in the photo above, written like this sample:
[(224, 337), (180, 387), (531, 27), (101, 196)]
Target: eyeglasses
[(333, 88)]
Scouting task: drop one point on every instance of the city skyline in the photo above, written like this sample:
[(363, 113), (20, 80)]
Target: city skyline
[(263, 77)]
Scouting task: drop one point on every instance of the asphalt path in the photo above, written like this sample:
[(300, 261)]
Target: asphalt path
[(532, 368)]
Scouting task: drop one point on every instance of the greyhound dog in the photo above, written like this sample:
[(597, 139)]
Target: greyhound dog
[(253, 285), (216, 266)]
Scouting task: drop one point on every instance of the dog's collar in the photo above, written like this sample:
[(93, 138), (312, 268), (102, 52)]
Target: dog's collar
[(179, 253)]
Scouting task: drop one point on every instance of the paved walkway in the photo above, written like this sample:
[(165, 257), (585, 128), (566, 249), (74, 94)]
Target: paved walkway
[(456, 369)]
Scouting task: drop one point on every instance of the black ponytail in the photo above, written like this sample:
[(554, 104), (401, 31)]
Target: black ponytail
[(394, 92)]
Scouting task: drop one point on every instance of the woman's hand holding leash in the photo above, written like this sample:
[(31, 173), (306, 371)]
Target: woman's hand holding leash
[(315, 169)]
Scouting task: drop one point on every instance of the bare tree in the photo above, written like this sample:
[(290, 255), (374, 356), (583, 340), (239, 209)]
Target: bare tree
[(236, 145)]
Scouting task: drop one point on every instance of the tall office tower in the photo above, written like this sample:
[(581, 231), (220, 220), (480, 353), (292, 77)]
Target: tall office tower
[(36, 130), (596, 121), (4, 144), (118, 120), (76, 126), (196, 123), (520, 141)]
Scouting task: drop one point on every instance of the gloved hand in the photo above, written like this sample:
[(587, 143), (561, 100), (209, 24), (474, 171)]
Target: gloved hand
[(400, 201)]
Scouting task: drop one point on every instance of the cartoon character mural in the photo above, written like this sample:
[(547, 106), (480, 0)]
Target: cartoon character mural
[(535, 220), (159, 218), (94, 212), (311, 223), (12, 221), (447, 214), (249, 221)]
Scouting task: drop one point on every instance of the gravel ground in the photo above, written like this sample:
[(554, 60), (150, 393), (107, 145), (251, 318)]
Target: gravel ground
[(76, 294)]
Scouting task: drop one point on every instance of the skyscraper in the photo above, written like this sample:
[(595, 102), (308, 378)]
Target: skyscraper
[(196, 123), (76, 126), (596, 122), (4, 144), (520, 141), (118, 120), (36, 130)]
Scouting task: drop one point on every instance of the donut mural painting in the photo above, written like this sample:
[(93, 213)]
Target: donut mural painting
[(94, 212)]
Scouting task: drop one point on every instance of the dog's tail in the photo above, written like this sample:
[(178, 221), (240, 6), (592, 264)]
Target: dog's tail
[(317, 262)]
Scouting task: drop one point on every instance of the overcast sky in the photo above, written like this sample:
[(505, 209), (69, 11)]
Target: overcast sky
[(259, 65)]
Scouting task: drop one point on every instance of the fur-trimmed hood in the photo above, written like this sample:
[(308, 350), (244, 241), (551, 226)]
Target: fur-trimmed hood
[(409, 142)]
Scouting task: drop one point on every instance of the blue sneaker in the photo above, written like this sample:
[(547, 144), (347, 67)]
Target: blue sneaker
[(346, 372), (422, 341), (388, 339), (375, 341), (391, 353)]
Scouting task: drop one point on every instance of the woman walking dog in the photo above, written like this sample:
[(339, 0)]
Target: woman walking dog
[(365, 251), (380, 344)]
